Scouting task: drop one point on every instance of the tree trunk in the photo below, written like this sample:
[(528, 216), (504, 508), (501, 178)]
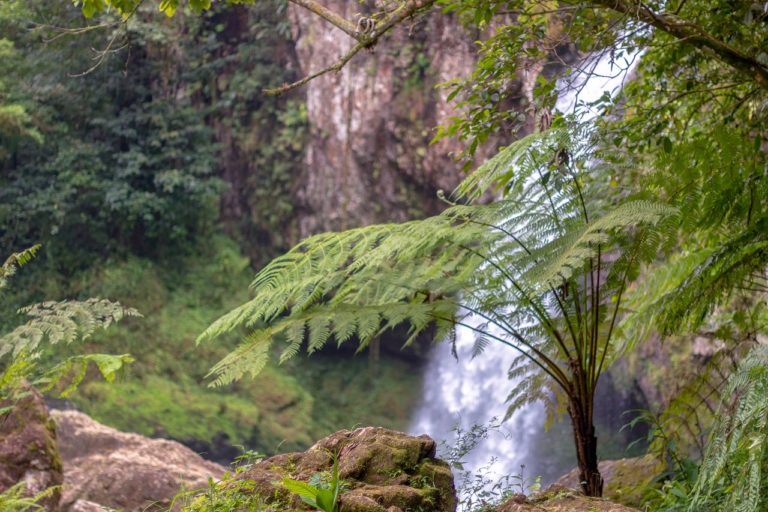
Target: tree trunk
[(374, 355), (586, 449)]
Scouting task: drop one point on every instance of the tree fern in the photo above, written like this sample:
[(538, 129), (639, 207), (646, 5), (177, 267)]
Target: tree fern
[(734, 468), (541, 270)]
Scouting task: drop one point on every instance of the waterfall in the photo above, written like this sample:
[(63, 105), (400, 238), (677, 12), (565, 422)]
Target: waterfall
[(470, 391)]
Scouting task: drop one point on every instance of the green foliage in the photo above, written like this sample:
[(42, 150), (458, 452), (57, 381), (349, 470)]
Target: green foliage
[(232, 492), (53, 323), (16, 124), (163, 393), (527, 271), (698, 368), (127, 7), (439, 270), (117, 165), (733, 471), (14, 261), (319, 493), (15, 498), (61, 322), (688, 131), (225, 496), (132, 154), (546, 36), (724, 249)]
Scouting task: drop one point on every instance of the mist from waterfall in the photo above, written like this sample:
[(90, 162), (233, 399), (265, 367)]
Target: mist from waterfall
[(465, 391)]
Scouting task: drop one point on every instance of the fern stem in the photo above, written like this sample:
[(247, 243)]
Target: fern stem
[(556, 374), (519, 242), (539, 313)]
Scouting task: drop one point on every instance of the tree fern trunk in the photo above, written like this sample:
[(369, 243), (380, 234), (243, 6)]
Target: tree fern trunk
[(586, 448), (374, 355)]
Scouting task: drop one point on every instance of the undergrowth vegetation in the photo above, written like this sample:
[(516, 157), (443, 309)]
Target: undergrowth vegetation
[(164, 392)]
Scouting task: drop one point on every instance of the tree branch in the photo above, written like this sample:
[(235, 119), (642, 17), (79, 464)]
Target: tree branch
[(364, 40), (328, 15), (693, 34)]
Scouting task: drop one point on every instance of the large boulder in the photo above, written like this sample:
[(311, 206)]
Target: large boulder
[(560, 499), (384, 470), (124, 471), (625, 480), (28, 450)]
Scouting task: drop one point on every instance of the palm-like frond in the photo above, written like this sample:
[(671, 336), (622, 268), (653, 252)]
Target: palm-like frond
[(61, 322), (739, 262), (16, 498), (717, 177), (52, 323), (736, 460), (540, 270), (679, 295)]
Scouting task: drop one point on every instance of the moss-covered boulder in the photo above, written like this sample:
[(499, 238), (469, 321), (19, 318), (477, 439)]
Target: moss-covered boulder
[(28, 450), (383, 471), (626, 480), (560, 499)]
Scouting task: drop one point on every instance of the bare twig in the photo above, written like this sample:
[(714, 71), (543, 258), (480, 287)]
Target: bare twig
[(367, 40)]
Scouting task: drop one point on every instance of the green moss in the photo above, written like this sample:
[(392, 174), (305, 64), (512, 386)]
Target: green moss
[(157, 406), (349, 393)]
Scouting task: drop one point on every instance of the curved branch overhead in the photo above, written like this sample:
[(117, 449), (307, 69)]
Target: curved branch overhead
[(364, 39), (670, 23), (692, 34)]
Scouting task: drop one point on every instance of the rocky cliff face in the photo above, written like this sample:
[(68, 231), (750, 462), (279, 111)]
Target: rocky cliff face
[(364, 152), (368, 158)]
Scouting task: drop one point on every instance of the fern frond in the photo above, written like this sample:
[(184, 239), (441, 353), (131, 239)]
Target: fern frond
[(514, 164), (73, 370), (678, 296), (568, 254), (14, 261), (61, 322), (17, 499), (527, 271), (323, 323), (736, 453)]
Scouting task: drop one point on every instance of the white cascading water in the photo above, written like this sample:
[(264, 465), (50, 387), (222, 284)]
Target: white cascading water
[(473, 391)]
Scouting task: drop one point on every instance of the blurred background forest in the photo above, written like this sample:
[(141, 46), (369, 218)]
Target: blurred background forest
[(146, 159), (161, 179)]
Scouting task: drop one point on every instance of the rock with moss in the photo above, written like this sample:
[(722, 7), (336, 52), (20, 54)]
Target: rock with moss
[(626, 480), (382, 470), (28, 449), (560, 499), (116, 470)]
